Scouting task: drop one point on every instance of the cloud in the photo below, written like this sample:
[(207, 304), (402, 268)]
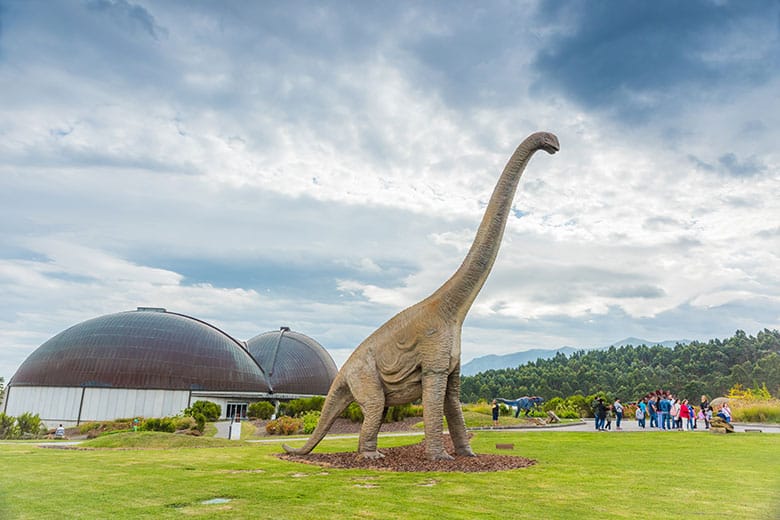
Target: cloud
[(305, 165), (644, 59)]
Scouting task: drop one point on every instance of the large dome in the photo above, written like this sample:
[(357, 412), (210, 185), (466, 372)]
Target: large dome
[(293, 362), (143, 349)]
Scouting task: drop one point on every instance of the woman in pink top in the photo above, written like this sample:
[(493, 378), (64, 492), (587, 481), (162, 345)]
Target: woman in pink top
[(685, 414)]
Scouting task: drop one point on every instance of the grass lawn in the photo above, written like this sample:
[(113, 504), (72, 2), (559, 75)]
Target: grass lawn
[(578, 475)]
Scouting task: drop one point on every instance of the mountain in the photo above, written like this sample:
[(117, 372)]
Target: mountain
[(493, 361), (496, 362)]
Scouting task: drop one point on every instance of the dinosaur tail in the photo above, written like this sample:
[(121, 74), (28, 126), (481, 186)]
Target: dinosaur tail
[(339, 397)]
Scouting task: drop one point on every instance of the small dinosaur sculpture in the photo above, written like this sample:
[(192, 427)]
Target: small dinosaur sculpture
[(522, 403), (416, 353)]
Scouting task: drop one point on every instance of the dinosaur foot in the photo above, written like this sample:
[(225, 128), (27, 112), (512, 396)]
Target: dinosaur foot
[(371, 455), (442, 455), (465, 451)]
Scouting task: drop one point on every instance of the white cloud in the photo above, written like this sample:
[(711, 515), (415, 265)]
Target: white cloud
[(248, 170)]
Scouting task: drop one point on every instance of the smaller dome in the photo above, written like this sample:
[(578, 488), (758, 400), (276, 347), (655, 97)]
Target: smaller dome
[(293, 362)]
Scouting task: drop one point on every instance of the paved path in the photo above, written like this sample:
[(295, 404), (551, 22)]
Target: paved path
[(633, 426)]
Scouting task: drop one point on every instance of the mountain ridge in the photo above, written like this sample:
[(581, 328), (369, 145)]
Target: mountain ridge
[(515, 359)]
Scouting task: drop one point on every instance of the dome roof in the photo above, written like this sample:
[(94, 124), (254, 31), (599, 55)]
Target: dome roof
[(143, 349), (293, 362)]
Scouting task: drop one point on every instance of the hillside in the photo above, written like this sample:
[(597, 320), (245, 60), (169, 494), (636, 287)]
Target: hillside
[(515, 359), (631, 371)]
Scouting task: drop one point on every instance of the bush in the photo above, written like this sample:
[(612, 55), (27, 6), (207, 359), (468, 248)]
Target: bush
[(29, 424), (200, 419), (211, 411), (261, 410), (164, 424), (8, 428), (98, 428), (185, 423), (284, 425), (298, 407), (310, 420)]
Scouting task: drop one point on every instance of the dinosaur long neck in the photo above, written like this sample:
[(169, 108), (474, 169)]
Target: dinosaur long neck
[(458, 293)]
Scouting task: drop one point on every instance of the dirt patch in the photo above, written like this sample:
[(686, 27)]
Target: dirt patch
[(412, 458)]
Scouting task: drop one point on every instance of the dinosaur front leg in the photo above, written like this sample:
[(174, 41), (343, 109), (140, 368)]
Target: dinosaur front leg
[(434, 389), (454, 414), (372, 403)]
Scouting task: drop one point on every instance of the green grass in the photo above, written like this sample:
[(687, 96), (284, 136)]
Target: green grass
[(578, 475)]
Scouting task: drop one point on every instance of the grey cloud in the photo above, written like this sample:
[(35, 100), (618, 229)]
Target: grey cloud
[(660, 223), (123, 11), (769, 233), (640, 58), (637, 291), (741, 168), (731, 164)]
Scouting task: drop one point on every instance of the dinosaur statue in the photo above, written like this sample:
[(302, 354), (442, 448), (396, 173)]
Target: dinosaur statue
[(416, 353), (522, 403)]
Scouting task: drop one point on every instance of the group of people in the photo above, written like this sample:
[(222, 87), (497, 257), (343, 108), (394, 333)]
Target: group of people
[(606, 413), (661, 410), (667, 412)]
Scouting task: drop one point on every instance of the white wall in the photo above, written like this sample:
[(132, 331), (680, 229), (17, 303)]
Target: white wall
[(57, 405)]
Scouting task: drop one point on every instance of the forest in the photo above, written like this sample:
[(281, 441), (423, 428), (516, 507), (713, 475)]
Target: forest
[(630, 372)]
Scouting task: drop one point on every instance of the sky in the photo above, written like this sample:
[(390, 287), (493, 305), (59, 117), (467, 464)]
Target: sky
[(323, 165)]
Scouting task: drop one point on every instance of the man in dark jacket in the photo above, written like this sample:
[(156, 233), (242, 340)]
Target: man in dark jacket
[(601, 414)]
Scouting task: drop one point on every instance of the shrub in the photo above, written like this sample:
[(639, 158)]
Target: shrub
[(284, 425), (211, 411), (310, 420), (106, 426), (200, 419), (261, 410), (185, 423), (29, 424), (8, 428), (164, 424), (298, 407)]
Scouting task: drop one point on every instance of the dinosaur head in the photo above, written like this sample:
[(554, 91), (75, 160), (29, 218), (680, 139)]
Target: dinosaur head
[(547, 142)]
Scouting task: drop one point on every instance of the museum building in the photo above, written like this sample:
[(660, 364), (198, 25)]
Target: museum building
[(154, 363)]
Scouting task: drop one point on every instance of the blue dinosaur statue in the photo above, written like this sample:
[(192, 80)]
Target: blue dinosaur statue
[(522, 403)]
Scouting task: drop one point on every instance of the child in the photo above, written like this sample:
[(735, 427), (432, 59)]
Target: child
[(610, 414), (640, 417), (701, 417)]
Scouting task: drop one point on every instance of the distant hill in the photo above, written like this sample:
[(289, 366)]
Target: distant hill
[(495, 362)]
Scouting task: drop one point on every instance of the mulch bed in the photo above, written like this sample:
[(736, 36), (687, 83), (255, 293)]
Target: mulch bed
[(412, 458)]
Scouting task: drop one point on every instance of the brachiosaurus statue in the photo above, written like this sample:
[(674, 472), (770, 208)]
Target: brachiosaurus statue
[(417, 352)]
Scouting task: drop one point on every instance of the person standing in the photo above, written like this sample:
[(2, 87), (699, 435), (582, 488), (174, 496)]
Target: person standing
[(641, 411), (674, 411), (601, 414), (652, 410), (663, 413), (495, 411), (618, 408), (685, 415), (704, 405)]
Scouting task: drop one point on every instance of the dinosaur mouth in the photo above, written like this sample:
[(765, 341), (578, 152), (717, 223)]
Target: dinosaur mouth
[(550, 148)]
